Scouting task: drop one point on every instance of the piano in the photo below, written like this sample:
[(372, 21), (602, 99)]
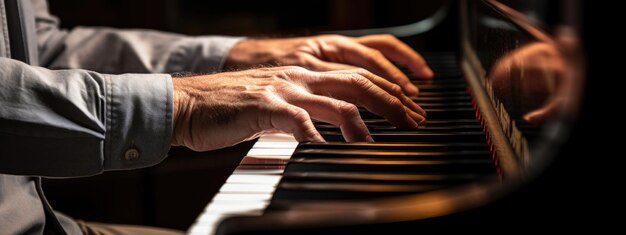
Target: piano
[(481, 141)]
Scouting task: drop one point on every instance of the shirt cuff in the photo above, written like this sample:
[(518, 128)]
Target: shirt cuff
[(138, 120), (205, 54)]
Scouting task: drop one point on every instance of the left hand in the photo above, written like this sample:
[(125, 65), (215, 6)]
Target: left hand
[(335, 52)]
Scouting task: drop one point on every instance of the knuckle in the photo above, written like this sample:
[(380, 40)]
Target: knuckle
[(387, 36), (265, 69), (333, 36), (376, 54), (360, 81), (289, 67), (303, 60), (348, 110), (297, 69), (261, 100), (300, 116), (280, 75), (362, 71), (294, 71), (396, 90), (395, 102), (311, 41), (391, 37), (268, 91)]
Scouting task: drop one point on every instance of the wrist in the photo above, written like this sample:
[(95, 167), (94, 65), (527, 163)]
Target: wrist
[(180, 99)]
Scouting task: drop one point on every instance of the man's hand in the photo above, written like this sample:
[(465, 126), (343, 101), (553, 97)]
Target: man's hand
[(219, 110), (334, 52)]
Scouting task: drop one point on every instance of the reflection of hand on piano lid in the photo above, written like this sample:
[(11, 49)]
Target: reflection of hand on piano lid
[(335, 52), (540, 81), (219, 110)]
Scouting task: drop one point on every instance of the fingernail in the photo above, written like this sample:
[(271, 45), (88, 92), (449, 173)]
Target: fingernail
[(411, 90), (528, 117), (415, 124), (369, 139), (427, 72), (422, 124)]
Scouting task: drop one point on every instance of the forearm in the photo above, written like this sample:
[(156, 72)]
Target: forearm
[(75, 122), (116, 51)]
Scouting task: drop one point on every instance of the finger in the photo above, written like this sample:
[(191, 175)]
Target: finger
[(339, 113), (389, 87), (373, 60), (359, 90), (295, 120), (316, 64), (544, 113), (398, 52), (419, 119)]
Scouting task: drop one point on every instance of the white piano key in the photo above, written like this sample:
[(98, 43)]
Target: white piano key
[(254, 179), (213, 219), (247, 212), (277, 144), (247, 188), (201, 229), (271, 152), (235, 197), (258, 171), (248, 191), (264, 162), (239, 208), (210, 219)]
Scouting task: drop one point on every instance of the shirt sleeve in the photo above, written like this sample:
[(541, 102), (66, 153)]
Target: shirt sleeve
[(116, 51), (65, 123)]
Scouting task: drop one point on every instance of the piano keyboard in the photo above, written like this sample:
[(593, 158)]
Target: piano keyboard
[(277, 172)]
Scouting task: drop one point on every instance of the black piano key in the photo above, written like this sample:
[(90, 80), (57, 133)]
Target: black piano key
[(376, 128), (415, 136), (434, 105), (441, 93), (381, 146), (396, 154), (286, 195), (453, 99), (298, 186), (350, 186), (430, 122), (449, 113), (433, 87), (438, 106), (441, 83), (476, 166), (396, 178)]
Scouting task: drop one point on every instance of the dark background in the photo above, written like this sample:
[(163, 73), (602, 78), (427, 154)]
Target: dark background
[(240, 17), (173, 193)]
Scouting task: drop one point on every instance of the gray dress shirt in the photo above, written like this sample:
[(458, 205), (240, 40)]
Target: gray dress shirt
[(82, 112)]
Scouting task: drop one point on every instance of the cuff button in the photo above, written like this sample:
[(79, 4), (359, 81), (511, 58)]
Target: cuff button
[(132, 154)]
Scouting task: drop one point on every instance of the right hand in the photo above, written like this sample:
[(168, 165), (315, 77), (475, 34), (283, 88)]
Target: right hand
[(335, 52), (223, 109)]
